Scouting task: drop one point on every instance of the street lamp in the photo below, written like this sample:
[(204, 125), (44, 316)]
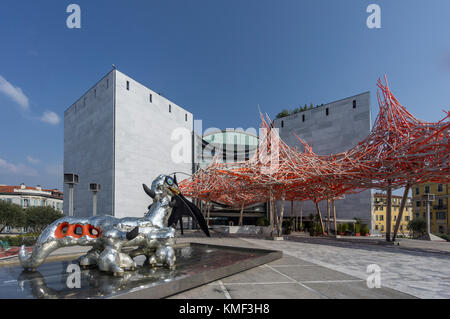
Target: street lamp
[(95, 188), (70, 179), (428, 198)]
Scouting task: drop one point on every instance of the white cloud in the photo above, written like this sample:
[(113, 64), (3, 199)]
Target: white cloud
[(50, 118), (19, 169), (32, 160), (15, 93)]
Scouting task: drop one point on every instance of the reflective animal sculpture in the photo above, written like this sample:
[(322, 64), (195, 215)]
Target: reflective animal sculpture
[(153, 235)]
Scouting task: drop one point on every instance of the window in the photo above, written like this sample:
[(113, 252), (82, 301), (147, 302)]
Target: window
[(417, 190), (170, 108), (247, 147), (418, 203), (326, 111), (151, 98), (440, 215), (407, 218), (440, 188), (185, 117), (440, 203), (382, 227), (235, 148), (95, 92), (354, 104), (107, 83), (427, 189), (381, 217), (303, 118), (282, 123), (128, 85), (224, 152)]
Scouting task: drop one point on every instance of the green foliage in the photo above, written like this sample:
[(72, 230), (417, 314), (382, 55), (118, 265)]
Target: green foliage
[(288, 225), (357, 228), (418, 226), (11, 215), (19, 240), (296, 110), (263, 221), (350, 227), (37, 218), (283, 113), (342, 228), (364, 229)]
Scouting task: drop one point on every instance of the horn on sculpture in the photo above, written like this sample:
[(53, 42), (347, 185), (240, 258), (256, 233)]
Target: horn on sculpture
[(148, 191)]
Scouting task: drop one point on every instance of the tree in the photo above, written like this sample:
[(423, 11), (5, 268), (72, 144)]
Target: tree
[(282, 114), (418, 226), (37, 218), (11, 215)]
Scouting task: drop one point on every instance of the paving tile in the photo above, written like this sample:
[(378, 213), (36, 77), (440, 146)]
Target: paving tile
[(317, 273), (355, 290), (273, 291), (290, 261), (202, 292), (256, 275)]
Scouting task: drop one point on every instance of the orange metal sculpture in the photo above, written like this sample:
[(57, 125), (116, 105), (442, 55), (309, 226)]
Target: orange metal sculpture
[(400, 150)]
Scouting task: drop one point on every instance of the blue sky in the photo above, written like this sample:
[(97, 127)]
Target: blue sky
[(218, 59)]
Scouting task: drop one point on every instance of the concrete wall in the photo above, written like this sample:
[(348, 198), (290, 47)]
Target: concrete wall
[(88, 147), (146, 134), (119, 139), (342, 129)]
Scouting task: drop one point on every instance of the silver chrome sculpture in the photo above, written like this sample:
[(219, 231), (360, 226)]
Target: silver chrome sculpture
[(153, 235)]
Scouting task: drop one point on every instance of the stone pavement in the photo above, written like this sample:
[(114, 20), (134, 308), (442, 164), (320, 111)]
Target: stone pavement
[(287, 278), (422, 274), (324, 268)]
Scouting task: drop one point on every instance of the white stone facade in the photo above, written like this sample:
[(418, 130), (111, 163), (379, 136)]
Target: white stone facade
[(121, 134), (332, 128)]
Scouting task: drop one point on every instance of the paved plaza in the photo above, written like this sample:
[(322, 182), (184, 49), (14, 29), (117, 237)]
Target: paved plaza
[(324, 268), (318, 268)]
